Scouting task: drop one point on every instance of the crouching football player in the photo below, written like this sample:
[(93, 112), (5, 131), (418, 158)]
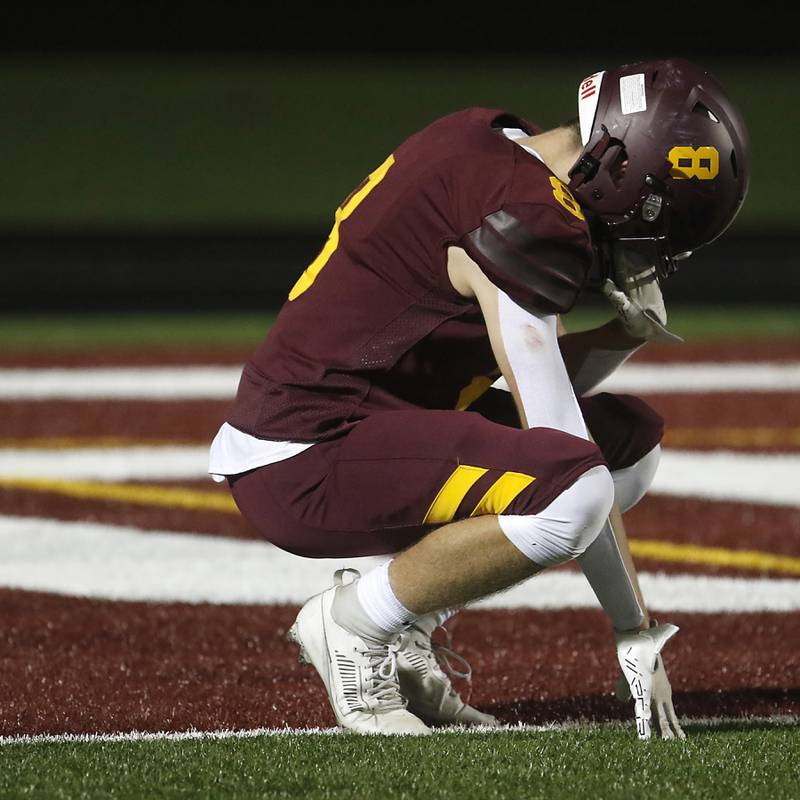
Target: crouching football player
[(365, 423)]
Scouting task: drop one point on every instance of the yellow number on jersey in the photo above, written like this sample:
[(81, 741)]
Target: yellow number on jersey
[(565, 197), (694, 162), (342, 213)]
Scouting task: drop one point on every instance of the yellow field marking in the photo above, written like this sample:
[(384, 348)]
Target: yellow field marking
[(731, 437), (717, 556), (194, 499), (207, 500), (72, 442)]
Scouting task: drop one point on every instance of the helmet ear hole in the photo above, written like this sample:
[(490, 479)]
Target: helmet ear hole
[(734, 165), (618, 167)]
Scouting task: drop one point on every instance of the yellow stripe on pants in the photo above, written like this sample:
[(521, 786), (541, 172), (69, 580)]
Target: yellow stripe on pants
[(502, 493), (455, 488)]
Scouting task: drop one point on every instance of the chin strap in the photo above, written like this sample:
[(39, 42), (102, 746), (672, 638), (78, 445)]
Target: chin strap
[(588, 164)]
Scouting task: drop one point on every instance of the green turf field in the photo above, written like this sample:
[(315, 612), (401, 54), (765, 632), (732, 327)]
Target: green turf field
[(743, 760), (75, 332)]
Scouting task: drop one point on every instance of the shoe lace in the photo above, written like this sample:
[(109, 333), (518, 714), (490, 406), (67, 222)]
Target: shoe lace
[(445, 658), (384, 686)]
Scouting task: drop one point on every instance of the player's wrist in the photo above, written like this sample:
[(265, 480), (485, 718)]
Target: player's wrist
[(621, 338), (644, 625)]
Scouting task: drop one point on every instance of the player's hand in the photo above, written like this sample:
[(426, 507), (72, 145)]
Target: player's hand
[(640, 323), (635, 293), (660, 703), (644, 680)]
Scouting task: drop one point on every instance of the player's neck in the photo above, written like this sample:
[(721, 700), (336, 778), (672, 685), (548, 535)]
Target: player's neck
[(558, 150)]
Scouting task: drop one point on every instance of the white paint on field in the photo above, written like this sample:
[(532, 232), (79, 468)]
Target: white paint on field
[(704, 377), (663, 592), (126, 563), (772, 479), (123, 563), (120, 383), (698, 377), (106, 463), (780, 720), (220, 382)]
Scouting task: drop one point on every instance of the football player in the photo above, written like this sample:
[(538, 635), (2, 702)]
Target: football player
[(366, 423)]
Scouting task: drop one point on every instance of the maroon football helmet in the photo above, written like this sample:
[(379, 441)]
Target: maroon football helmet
[(666, 159)]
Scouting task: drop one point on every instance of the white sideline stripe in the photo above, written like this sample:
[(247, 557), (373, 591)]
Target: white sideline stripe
[(663, 592), (107, 463), (220, 382), (252, 733), (120, 383), (697, 377), (86, 559), (772, 479), (704, 377)]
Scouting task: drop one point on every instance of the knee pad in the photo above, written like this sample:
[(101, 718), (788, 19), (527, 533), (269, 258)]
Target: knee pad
[(565, 528), (631, 483)]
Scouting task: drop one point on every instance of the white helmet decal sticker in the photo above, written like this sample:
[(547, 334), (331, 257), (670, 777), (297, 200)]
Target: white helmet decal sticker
[(588, 95), (632, 95)]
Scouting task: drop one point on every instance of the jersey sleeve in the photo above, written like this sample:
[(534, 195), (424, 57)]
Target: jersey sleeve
[(534, 254)]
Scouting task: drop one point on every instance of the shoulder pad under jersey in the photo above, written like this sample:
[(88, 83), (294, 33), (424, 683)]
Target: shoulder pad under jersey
[(534, 254)]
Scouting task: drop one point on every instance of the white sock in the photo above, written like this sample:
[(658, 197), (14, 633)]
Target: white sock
[(430, 622), (380, 603)]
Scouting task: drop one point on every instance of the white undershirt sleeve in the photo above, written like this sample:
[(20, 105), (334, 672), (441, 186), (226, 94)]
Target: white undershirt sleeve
[(548, 400), (530, 342), (599, 365)]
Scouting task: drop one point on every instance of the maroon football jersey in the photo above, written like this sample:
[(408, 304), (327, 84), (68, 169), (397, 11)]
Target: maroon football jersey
[(374, 323)]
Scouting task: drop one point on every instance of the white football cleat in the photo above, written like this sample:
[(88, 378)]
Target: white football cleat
[(637, 653), (427, 687), (360, 675)]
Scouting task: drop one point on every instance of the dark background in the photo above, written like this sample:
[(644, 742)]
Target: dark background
[(622, 32), (182, 156)]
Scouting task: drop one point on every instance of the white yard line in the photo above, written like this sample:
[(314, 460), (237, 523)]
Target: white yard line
[(120, 383), (107, 463), (704, 377), (690, 593), (772, 479), (123, 563), (780, 720), (220, 382)]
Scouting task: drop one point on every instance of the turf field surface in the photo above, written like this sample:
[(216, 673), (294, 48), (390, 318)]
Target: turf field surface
[(208, 336), (115, 663), (719, 759)]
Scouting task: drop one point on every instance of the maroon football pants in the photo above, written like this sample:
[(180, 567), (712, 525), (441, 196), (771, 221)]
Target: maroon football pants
[(396, 474)]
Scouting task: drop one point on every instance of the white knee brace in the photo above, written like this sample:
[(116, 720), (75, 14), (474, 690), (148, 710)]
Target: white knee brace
[(631, 483), (568, 525)]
